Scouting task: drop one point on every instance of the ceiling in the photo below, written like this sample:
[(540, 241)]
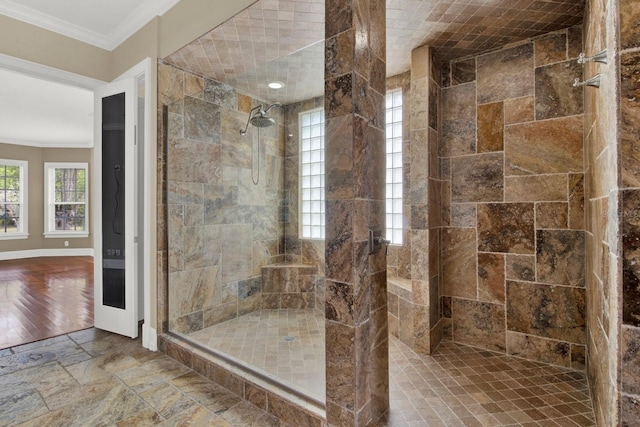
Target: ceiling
[(41, 113), (282, 39), (271, 40), (102, 23)]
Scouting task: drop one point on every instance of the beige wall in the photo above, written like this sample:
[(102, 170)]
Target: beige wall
[(35, 196)]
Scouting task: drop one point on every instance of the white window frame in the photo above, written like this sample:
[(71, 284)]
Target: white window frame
[(316, 205), (24, 208), (49, 200), (394, 180)]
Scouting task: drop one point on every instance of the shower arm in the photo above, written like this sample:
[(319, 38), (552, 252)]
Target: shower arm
[(275, 104)]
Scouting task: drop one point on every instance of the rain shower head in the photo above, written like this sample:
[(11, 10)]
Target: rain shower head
[(258, 117), (262, 121)]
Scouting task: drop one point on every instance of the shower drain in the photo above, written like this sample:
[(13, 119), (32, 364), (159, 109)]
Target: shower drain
[(289, 338)]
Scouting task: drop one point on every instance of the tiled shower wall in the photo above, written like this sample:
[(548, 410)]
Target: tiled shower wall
[(601, 189), (416, 319), (221, 227), (513, 253), (629, 153)]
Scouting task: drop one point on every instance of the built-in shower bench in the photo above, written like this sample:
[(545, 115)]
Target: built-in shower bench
[(288, 285), (400, 309)]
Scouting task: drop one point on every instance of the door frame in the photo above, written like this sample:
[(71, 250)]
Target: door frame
[(143, 70), (145, 67)]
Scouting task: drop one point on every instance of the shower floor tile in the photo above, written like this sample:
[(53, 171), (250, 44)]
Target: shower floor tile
[(457, 386), (286, 344)]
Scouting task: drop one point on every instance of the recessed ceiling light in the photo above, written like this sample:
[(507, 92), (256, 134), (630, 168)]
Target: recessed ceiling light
[(275, 85)]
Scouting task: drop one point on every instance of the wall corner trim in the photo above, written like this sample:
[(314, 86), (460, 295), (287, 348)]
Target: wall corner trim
[(149, 337)]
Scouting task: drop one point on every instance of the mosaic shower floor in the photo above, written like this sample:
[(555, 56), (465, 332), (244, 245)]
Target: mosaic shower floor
[(287, 344), (93, 377), (458, 386)]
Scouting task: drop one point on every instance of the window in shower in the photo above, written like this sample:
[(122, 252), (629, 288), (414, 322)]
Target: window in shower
[(394, 166), (312, 174), (13, 199)]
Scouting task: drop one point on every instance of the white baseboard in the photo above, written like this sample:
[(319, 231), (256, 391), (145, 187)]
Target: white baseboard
[(149, 338), (35, 253)]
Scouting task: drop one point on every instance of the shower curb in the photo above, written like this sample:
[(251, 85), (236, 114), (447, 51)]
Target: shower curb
[(281, 400)]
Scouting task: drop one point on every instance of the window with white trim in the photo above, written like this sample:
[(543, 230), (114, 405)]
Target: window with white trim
[(312, 174), (13, 199), (66, 199), (393, 138)]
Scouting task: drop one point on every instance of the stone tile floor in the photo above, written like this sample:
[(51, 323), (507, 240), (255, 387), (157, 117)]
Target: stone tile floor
[(261, 339), (91, 378)]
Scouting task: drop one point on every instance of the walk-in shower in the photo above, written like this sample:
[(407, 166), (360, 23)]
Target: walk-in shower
[(241, 281)]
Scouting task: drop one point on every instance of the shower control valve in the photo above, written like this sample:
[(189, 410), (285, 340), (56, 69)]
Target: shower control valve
[(375, 240)]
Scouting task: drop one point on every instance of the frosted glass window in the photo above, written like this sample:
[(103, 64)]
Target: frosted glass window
[(393, 137), (312, 174)]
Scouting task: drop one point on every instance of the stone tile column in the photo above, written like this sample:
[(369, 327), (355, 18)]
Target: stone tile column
[(355, 306)]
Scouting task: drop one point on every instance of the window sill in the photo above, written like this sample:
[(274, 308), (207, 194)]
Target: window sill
[(14, 236), (66, 235)]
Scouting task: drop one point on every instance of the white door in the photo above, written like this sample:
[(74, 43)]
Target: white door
[(115, 282)]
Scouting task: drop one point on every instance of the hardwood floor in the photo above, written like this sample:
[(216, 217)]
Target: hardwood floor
[(44, 297)]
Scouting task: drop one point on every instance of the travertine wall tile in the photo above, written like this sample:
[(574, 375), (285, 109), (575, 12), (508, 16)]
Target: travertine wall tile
[(477, 178), (630, 367), (560, 257), (630, 219), (506, 227), (215, 269), (522, 176), (459, 262), (550, 48), (458, 120), (356, 321), (546, 155), (556, 312), (535, 188), (490, 127), (629, 16), (479, 324), (535, 348), (521, 267), (519, 110), (630, 116), (554, 96), (505, 74), (491, 277), (463, 71), (552, 215)]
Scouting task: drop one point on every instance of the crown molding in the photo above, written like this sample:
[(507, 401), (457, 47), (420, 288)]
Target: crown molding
[(48, 22), (137, 19), (45, 72)]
